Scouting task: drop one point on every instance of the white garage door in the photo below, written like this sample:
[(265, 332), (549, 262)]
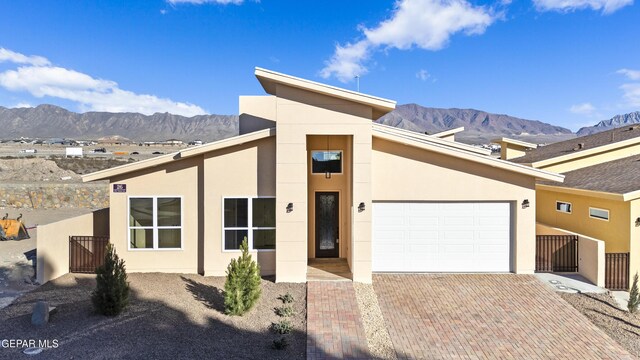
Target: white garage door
[(441, 237)]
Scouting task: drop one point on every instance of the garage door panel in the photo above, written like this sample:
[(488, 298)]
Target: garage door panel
[(441, 237)]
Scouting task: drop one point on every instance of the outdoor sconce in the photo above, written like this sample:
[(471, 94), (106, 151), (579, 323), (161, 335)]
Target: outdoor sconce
[(361, 207), (637, 222), (525, 203), (289, 207), (327, 175)]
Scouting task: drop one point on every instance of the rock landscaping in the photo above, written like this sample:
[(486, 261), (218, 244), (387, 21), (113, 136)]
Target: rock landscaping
[(378, 339)]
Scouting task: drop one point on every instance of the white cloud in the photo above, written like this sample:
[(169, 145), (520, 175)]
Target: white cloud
[(631, 94), (17, 58), (200, 2), (423, 75), (23, 105), (425, 24), (607, 6), (583, 109), (630, 74), (90, 93)]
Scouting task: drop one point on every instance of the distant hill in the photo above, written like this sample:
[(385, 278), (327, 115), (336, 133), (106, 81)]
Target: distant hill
[(49, 121), (614, 122)]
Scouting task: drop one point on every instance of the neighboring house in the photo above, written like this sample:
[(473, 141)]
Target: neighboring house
[(312, 176), (600, 196)]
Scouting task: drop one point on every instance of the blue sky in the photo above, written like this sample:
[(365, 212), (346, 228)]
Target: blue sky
[(566, 62)]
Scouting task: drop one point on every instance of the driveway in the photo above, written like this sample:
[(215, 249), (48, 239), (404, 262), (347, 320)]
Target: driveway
[(478, 316)]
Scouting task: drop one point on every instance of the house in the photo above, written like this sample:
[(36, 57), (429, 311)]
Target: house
[(311, 175), (600, 196)]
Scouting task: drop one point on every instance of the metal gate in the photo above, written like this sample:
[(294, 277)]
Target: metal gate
[(556, 253), (86, 253), (616, 274)]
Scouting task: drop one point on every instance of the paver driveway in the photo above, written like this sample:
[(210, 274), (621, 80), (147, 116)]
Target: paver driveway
[(478, 316)]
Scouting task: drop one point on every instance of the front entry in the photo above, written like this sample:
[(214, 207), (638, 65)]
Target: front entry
[(327, 224)]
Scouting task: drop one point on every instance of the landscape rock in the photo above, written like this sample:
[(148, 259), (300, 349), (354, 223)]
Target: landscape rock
[(40, 315)]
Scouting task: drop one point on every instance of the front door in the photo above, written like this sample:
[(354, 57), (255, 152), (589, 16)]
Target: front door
[(327, 224)]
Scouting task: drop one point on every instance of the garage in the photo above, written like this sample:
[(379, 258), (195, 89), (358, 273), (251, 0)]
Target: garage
[(441, 237)]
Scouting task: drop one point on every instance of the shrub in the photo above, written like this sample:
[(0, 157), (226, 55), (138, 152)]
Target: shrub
[(242, 288), (282, 327), (286, 298), (280, 344), (284, 311), (634, 296), (111, 295)]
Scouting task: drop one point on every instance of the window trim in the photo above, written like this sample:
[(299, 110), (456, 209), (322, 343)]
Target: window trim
[(322, 174), (249, 222), (155, 227), (599, 218), (564, 202)]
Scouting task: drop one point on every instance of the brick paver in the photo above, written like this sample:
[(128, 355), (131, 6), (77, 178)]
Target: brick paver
[(334, 325), (478, 316)]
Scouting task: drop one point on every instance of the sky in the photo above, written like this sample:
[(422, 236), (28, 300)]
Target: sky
[(567, 62)]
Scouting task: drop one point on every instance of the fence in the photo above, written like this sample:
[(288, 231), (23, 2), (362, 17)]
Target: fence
[(86, 253), (617, 271), (556, 253)]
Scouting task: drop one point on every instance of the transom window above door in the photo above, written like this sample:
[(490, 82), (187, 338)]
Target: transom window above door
[(253, 218), (326, 161)]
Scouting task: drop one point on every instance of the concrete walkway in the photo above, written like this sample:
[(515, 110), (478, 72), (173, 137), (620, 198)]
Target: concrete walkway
[(334, 325), (569, 283)]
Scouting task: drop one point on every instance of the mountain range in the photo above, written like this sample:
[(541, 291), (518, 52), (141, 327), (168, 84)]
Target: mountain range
[(50, 121)]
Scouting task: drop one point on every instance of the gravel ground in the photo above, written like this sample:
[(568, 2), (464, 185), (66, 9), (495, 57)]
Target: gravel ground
[(34, 170), (171, 316), (378, 339), (602, 310)]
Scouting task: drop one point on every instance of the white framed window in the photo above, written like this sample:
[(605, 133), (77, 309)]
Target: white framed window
[(155, 222), (600, 214), (564, 207), (250, 217), (326, 161)]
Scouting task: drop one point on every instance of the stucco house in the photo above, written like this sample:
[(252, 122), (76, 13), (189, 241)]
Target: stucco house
[(600, 196), (311, 175)]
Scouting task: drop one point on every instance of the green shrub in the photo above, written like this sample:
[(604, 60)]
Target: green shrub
[(111, 295), (242, 288), (284, 311), (286, 298), (282, 327), (634, 296), (280, 344)]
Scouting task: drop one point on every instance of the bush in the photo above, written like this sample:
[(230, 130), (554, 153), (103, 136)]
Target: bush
[(634, 296), (284, 311), (111, 295), (286, 298), (242, 288), (282, 327), (280, 344)]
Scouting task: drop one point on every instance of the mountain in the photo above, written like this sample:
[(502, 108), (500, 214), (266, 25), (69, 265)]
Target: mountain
[(614, 122), (49, 121), (479, 126)]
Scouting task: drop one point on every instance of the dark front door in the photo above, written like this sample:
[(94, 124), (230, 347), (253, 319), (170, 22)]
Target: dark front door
[(327, 224)]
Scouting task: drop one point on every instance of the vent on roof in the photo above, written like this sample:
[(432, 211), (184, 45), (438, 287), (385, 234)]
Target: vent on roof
[(579, 147), (633, 127)]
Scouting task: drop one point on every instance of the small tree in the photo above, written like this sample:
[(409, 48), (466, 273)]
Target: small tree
[(242, 288), (111, 295), (634, 296)]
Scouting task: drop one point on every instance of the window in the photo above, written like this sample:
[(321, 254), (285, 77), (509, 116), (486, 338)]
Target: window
[(599, 213), (253, 218), (564, 207), (326, 161), (155, 223)]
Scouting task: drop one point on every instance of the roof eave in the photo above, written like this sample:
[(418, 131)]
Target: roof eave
[(582, 192)]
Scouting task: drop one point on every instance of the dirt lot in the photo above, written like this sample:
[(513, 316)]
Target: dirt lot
[(171, 316), (602, 310)]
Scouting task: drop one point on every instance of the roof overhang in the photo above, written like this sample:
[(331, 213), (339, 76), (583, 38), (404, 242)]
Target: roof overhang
[(582, 192), (449, 132), (516, 143), (586, 153), (269, 79), (183, 154), (444, 147)]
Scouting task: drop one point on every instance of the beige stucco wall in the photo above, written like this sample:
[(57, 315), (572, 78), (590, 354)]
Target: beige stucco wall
[(511, 151), (584, 161), (591, 258), (256, 113), (338, 182), (53, 242), (301, 113), (615, 232), (634, 239), (246, 170), (404, 173)]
